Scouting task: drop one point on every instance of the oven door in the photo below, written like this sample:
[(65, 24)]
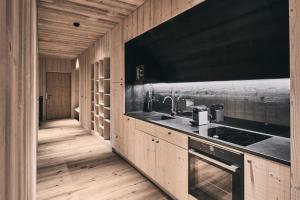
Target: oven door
[(210, 179)]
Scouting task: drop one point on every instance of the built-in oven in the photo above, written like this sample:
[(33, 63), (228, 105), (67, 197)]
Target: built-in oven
[(215, 173)]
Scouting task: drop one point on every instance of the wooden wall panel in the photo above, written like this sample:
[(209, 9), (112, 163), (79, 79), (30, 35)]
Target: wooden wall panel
[(3, 98), (295, 97), (152, 13), (85, 61), (49, 64), (74, 89), (18, 92), (97, 51)]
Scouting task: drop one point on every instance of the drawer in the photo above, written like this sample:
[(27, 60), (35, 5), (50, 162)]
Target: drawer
[(171, 136), (145, 127)]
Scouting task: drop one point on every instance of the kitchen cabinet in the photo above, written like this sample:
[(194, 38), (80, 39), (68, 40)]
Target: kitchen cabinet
[(145, 153), (172, 168), (266, 179), (117, 64), (117, 143), (129, 136), (117, 117), (146, 127), (173, 137), (165, 163), (117, 108)]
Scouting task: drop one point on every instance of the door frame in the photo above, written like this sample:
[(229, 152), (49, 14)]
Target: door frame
[(46, 93)]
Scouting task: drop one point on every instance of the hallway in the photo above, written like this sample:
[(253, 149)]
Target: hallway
[(74, 165)]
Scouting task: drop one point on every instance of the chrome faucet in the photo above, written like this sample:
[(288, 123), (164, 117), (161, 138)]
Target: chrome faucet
[(173, 109)]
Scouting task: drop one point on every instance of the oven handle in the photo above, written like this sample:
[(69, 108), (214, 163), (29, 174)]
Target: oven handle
[(231, 168)]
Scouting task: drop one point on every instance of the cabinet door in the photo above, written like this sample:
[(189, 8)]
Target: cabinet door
[(129, 135), (140, 150), (265, 179), (172, 169), (117, 109), (117, 143), (117, 64), (145, 153)]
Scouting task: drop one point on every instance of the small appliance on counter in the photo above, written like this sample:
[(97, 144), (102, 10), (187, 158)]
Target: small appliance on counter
[(217, 112), (200, 115)]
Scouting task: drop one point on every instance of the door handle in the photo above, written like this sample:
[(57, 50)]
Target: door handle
[(48, 95), (251, 170), (231, 168)]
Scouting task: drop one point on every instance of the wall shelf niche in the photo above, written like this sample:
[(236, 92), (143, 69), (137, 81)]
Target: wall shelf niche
[(101, 96)]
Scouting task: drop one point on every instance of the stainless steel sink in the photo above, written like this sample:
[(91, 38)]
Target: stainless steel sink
[(160, 117)]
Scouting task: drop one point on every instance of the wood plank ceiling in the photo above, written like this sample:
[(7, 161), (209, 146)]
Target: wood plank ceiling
[(58, 37)]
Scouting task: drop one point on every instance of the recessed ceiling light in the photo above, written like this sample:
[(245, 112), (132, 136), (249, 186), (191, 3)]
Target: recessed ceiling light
[(76, 24)]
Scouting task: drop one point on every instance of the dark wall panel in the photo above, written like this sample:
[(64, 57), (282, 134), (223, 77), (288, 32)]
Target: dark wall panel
[(216, 40)]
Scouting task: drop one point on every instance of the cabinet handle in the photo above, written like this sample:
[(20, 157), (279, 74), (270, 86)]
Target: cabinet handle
[(169, 133), (157, 141), (251, 170), (121, 83), (152, 140), (128, 119)]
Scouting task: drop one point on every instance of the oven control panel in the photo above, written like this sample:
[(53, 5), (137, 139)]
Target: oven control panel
[(215, 152)]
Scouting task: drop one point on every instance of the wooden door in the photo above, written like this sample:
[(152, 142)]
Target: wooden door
[(58, 99)]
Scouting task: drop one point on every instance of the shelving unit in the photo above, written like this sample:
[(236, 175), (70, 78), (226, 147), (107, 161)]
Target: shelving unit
[(101, 97)]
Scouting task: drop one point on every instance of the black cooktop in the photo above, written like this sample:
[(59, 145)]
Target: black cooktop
[(239, 137)]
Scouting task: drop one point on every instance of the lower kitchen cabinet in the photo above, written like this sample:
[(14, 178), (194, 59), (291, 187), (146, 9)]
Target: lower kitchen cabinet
[(145, 153), (117, 135), (266, 180), (165, 163), (172, 168), (129, 137), (117, 108), (117, 142)]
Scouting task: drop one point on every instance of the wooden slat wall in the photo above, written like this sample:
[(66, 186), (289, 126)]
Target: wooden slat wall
[(295, 97), (74, 89), (97, 51), (3, 98), (147, 16), (48, 64), (18, 107)]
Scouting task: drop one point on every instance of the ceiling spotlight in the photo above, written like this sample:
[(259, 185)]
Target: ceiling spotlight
[(76, 24)]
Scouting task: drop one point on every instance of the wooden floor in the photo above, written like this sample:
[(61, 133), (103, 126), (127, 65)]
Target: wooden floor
[(74, 165)]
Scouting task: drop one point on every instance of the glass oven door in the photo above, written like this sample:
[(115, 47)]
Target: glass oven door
[(211, 179)]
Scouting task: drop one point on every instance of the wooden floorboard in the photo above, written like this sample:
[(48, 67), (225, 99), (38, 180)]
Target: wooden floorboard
[(75, 165)]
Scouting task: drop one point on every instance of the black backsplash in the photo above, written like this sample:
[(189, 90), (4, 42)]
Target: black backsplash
[(265, 101)]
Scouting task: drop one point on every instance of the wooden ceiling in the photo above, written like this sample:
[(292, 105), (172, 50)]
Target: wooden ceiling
[(58, 37)]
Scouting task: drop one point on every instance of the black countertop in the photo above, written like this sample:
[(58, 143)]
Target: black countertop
[(275, 148)]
